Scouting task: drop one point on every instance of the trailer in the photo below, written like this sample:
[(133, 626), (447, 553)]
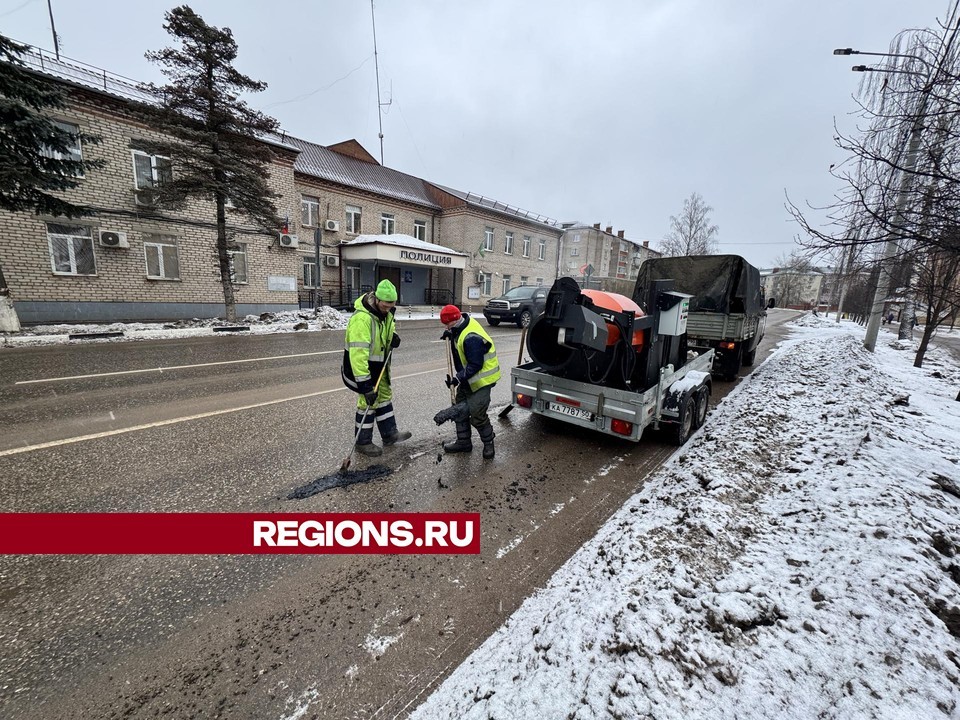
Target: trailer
[(599, 362)]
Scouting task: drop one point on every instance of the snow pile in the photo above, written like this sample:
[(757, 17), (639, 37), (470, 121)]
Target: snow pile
[(815, 321), (326, 318), (800, 557)]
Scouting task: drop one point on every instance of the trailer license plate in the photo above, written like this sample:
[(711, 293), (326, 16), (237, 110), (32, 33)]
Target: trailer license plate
[(571, 411)]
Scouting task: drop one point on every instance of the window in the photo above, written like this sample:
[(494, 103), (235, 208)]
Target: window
[(488, 239), (526, 246), (163, 262), (238, 264), (71, 250), (576, 237), (539, 282), (353, 219), (309, 211), (74, 151), (309, 272), (508, 244), (150, 170), (574, 252), (523, 280), (506, 284), (541, 253), (486, 283), (420, 230), (388, 224)]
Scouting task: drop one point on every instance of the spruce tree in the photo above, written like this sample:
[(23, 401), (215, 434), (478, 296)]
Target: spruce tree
[(35, 161), (214, 143)]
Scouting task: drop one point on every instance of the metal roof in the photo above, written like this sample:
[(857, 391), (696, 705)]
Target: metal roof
[(497, 206), (323, 163)]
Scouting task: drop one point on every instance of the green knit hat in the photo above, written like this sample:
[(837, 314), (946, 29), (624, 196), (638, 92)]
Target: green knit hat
[(386, 291)]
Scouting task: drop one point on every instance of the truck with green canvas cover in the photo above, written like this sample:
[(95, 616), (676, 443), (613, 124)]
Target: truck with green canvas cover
[(727, 310)]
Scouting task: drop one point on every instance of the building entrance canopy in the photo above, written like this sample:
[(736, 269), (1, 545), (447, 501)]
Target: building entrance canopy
[(401, 250)]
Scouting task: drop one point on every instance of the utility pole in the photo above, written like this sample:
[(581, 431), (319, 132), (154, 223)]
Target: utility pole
[(53, 29)]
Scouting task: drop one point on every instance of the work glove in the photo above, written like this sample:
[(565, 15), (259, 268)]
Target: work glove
[(395, 342), (452, 381), (371, 398), (446, 335)]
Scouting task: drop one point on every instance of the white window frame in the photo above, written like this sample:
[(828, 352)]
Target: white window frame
[(353, 277), (488, 240), (309, 269), (388, 223), (542, 250), (524, 280), (75, 152), (309, 211), (539, 282), (420, 230), (508, 243), (486, 283), (81, 233), (574, 252), (240, 252), (507, 283), (354, 215), (164, 242), (576, 237), (526, 246), (160, 171)]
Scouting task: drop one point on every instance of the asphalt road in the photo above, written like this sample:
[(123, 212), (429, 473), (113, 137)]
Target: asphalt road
[(235, 424)]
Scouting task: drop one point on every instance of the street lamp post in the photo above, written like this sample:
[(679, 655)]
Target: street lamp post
[(892, 246)]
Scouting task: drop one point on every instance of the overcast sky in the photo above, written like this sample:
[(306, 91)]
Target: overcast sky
[(610, 112)]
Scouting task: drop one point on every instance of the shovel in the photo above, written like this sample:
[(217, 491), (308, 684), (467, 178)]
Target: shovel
[(523, 338), (453, 393), (346, 461)]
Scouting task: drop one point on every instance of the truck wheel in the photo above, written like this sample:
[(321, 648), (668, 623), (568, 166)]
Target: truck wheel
[(680, 432), (525, 318), (749, 357), (493, 322), (702, 404)]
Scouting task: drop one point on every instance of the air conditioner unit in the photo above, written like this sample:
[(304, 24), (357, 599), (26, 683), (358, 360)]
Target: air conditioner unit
[(146, 197), (112, 239), (331, 226), (480, 277), (289, 241), (331, 261)]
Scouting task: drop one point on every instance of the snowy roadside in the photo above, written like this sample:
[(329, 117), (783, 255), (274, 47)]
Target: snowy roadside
[(799, 558), (268, 323)]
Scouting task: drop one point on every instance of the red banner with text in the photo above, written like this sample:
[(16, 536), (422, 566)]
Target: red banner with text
[(239, 533)]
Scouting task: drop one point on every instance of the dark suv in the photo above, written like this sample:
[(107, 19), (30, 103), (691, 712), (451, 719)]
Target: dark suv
[(519, 305)]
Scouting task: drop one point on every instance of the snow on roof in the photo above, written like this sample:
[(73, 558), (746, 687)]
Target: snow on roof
[(407, 241), (497, 206), (796, 559)]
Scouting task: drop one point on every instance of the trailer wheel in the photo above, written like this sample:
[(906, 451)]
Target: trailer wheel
[(701, 403), (680, 431)]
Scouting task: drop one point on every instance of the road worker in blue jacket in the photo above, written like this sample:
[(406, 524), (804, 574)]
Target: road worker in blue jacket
[(476, 371), (368, 346)]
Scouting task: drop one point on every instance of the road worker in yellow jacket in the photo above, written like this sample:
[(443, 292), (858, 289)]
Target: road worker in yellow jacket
[(368, 347)]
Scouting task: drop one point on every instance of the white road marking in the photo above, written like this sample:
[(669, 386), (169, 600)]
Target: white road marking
[(174, 367), (174, 421)]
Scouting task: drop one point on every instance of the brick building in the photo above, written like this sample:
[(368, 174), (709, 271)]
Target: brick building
[(350, 222)]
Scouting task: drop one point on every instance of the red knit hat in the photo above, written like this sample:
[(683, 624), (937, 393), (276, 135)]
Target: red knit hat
[(449, 313)]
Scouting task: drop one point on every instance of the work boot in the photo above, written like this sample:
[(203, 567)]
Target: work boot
[(487, 435), (462, 443), (369, 449), (398, 436), (457, 413)]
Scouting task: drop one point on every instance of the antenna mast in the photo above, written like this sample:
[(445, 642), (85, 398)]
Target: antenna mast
[(376, 66), (53, 29)]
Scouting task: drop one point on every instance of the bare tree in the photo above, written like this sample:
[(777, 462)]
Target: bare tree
[(790, 280), (691, 232), (901, 192)]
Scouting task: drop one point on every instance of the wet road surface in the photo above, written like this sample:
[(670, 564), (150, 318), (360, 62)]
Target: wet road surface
[(278, 636)]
